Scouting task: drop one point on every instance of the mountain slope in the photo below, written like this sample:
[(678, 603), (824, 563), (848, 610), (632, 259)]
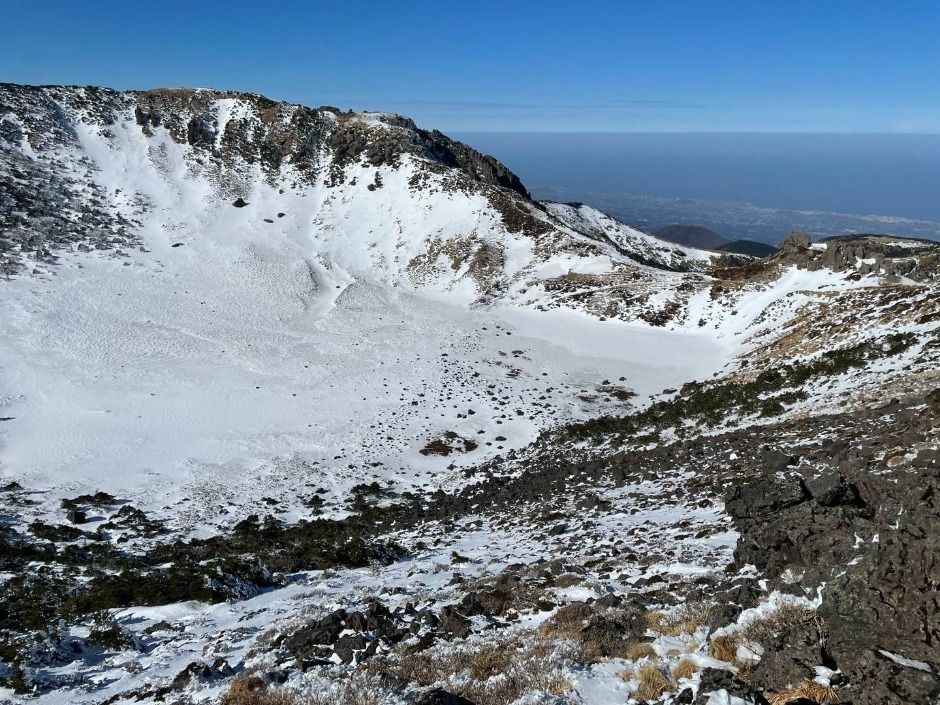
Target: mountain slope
[(121, 166), (306, 405), (325, 289)]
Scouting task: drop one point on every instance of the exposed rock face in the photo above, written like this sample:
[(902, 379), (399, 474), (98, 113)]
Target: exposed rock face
[(350, 142), (869, 530), (437, 696), (716, 679), (866, 254)]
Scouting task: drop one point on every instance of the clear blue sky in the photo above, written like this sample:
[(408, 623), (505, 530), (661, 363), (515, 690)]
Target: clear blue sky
[(662, 65)]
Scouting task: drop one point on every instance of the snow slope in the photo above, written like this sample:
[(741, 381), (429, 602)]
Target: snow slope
[(318, 334)]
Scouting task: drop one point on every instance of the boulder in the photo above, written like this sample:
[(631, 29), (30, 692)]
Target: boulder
[(438, 696)]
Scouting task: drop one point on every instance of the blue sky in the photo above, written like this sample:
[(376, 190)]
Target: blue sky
[(767, 66)]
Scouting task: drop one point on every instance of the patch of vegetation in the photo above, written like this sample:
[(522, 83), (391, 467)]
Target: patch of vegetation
[(711, 402), (685, 668), (651, 683), (610, 633), (58, 533), (684, 620), (16, 550), (358, 689), (109, 635), (805, 691), (497, 671), (130, 518), (66, 584)]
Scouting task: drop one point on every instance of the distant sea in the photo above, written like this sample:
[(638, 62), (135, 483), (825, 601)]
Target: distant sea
[(755, 186)]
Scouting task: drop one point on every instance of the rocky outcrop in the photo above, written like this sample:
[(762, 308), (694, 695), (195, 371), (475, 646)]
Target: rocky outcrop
[(352, 140), (864, 254), (868, 530)]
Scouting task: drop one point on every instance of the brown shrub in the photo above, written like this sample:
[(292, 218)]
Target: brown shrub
[(807, 690), (651, 682), (654, 620), (496, 672), (686, 668), (568, 580), (635, 650), (598, 635), (685, 619), (786, 616), (251, 690), (567, 622), (724, 648)]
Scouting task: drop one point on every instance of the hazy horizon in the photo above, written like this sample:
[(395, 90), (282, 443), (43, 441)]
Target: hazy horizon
[(891, 176)]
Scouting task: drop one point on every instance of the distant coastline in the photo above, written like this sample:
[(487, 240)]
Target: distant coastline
[(756, 186)]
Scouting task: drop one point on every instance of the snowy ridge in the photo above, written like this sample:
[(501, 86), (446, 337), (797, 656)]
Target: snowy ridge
[(407, 209)]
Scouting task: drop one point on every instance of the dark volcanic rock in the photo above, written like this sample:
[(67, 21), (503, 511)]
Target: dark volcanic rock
[(437, 696), (890, 602), (873, 538), (830, 489), (790, 657), (454, 624), (349, 142), (715, 679)]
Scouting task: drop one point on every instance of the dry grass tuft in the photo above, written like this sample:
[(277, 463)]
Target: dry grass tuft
[(597, 646), (786, 616), (568, 580), (724, 648), (685, 619), (566, 623), (651, 682), (598, 636), (251, 690), (807, 690), (360, 689), (655, 620), (635, 650), (686, 668), (495, 672)]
